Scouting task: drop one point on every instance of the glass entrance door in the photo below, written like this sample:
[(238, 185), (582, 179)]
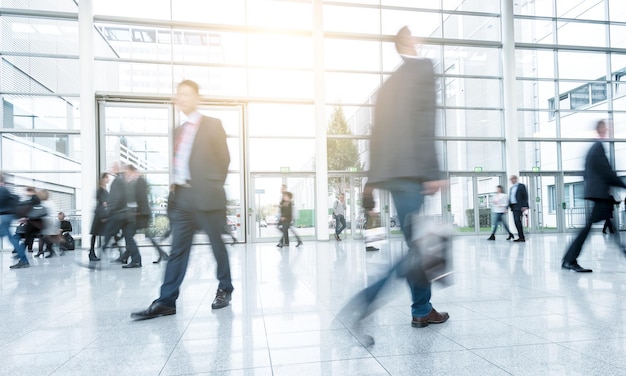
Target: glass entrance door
[(264, 210), (469, 201), (547, 205), (139, 133)]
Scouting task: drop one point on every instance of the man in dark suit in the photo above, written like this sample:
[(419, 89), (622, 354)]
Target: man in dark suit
[(518, 201), (403, 161), (599, 178), (200, 167)]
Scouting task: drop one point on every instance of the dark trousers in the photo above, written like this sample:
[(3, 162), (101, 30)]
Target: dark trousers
[(608, 225), (600, 211), (185, 222), (517, 218), (407, 197), (286, 226), (126, 222)]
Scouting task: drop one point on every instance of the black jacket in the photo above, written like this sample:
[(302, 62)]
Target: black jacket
[(521, 196), (599, 176)]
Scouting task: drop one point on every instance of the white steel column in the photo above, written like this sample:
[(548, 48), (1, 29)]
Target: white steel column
[(321, 160), (511, 145), (87, 117)]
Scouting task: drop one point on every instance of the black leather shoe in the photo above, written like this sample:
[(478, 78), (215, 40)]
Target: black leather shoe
[(157, 261), (155, 310), (492, 237), (520, 240), (575, 267), (279, 245), (299, 244), (132, 265), (370, 248), (222, 298), (51, 254), (510, 236)]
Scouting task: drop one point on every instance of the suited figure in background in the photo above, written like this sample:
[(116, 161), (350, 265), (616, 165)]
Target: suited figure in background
[(201, 160), (98, 225), (116, 207), (599, 178), (518, 201)]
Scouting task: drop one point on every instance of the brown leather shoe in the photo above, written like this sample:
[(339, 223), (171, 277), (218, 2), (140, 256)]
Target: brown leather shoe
[(433, 317)]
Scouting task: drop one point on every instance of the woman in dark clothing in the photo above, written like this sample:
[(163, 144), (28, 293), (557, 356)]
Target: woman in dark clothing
[(98, 226)]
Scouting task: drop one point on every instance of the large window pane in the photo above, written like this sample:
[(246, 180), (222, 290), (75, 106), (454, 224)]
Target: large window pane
[(534, 8), (358, 120), (232, 12), (41, 151), (538, 154), (265, 119), (422, 24), (619, 124), (472, 5), (618, 36), (471, 27), (274, 155), (536, 124), (352, 55), (40, 75), (474, 123), (40, 35), (466, 155), (617, 10), (473, 92), (582, 10), (280, 83), (534, 63), (581, 65), (145, 153), (155, 9), (472, 61), (574, 154), (279, 14), (581, 34), (351, 87), (137, 119), (534, 31), (350, 19), (580, 124), (535, 94), (39, 112), (275, 51)]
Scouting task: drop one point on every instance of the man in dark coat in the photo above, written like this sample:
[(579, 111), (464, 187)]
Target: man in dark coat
[(599, 178), (200, 167), (518, 201), (403, 161)]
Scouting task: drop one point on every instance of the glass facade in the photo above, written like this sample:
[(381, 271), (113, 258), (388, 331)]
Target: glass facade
[(263, 71)]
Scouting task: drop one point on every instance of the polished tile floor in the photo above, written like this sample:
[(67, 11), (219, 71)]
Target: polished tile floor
[(513, 311)]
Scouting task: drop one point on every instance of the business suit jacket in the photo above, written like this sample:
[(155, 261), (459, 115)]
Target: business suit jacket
[(402, 144), (208, 167), (143, 206), (117, 196), (599, 176), (521, 196)]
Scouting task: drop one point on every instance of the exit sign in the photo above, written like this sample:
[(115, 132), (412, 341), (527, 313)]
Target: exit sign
[(478, 169), (536, 169), (284, 169)]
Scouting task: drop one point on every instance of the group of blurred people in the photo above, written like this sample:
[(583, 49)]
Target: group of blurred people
[(36, 217)]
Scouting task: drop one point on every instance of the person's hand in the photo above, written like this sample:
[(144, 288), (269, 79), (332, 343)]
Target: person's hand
[(524, 210), (432, 187)]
